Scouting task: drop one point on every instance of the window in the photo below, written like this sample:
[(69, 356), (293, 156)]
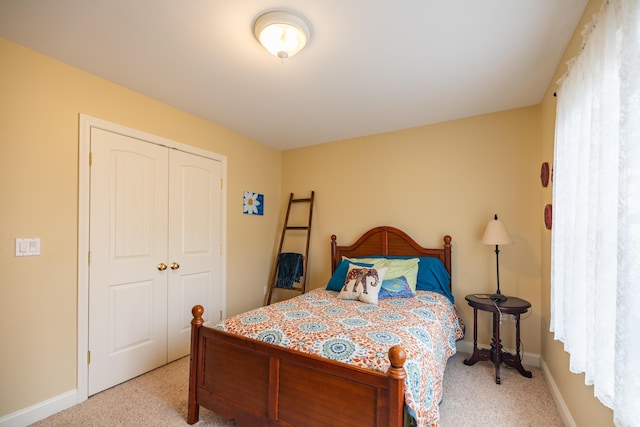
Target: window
[(595, 265)]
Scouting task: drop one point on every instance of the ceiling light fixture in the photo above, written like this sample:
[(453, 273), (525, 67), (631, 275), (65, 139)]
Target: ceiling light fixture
[(282, 33)]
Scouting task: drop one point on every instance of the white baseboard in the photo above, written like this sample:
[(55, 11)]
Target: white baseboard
[(530, 359), (557, 397), (41, 410)]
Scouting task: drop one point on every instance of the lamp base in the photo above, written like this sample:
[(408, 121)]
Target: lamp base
[(498, 297)]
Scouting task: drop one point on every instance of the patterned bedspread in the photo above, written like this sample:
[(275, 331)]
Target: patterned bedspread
[(427, 326)]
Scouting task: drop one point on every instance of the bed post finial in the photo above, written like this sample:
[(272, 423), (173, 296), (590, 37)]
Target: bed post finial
[(447, 255), (197, 311), (397, 357), (193, 409), (334, 263)]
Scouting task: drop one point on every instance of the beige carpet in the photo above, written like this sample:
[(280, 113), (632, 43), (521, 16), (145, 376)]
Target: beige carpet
[(471, 398)]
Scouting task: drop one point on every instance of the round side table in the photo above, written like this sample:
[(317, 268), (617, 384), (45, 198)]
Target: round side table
[(496, 354)]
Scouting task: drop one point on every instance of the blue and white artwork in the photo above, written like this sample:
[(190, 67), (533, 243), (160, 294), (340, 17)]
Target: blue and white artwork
[(253, 203)]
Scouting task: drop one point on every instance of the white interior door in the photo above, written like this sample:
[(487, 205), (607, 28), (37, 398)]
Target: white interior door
[(128, 240), (195, 196)]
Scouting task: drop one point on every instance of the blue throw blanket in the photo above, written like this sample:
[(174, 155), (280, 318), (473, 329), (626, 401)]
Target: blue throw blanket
[(290, 269)]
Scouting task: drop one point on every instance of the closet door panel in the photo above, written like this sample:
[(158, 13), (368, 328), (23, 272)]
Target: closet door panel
[(194, 245), (127, 291)]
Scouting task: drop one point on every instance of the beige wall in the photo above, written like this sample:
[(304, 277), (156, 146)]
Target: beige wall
[(585, 409), (40, 102), (448, 178)]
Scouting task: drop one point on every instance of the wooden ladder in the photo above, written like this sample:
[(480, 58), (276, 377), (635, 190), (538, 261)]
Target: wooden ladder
[(303, 280)]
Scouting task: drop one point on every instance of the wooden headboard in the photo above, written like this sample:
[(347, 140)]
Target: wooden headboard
[(386, 241)]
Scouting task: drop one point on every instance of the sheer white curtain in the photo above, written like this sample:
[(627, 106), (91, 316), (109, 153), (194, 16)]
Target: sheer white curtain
[(595, 266)]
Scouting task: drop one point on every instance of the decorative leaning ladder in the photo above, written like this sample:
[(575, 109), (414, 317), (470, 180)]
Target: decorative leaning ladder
[(305, 257)]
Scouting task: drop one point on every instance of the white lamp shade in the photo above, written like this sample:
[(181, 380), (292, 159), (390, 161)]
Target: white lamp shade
[(282, 33), (496, 233)]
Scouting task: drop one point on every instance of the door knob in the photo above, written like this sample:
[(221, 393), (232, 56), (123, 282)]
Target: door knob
[(162, 266), (175, 266)]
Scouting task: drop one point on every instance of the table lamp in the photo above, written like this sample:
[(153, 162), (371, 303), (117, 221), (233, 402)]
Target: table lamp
[(496, 234)]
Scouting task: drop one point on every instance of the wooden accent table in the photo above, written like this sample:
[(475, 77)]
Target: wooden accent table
[(496, 354)]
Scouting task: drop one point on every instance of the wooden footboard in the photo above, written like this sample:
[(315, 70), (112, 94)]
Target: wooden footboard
[(259, 384)]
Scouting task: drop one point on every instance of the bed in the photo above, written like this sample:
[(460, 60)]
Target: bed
[(268, 378)]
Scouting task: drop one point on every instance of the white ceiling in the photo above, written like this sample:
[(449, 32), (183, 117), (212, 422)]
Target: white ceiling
[(372, 66)]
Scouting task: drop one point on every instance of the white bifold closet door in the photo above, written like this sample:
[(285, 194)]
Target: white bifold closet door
[(155, 236)]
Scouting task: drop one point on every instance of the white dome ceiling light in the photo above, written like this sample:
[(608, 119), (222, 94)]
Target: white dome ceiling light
[(283, 33)]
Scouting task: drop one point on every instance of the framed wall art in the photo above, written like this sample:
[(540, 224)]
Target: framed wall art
[(253, 203)]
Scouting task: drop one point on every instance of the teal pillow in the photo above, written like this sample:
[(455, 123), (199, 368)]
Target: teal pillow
[(433, 276), (395, 288), (340, 274)]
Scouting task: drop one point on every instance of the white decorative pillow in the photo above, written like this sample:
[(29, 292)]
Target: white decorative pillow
[(362, 283)]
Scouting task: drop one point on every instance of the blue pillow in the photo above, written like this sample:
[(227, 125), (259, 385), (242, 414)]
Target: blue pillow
[(432, 276), (395, 288), (340, 274)]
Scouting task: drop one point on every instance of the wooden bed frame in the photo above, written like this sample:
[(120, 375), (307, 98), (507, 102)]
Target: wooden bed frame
[(260, 384)]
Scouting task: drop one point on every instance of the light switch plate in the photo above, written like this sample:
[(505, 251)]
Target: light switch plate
[(28, 246)]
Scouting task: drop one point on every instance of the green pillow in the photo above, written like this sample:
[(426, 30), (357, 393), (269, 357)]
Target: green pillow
[(395, 268)]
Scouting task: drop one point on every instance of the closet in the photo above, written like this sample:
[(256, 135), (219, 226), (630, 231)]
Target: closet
[(155, 228)]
